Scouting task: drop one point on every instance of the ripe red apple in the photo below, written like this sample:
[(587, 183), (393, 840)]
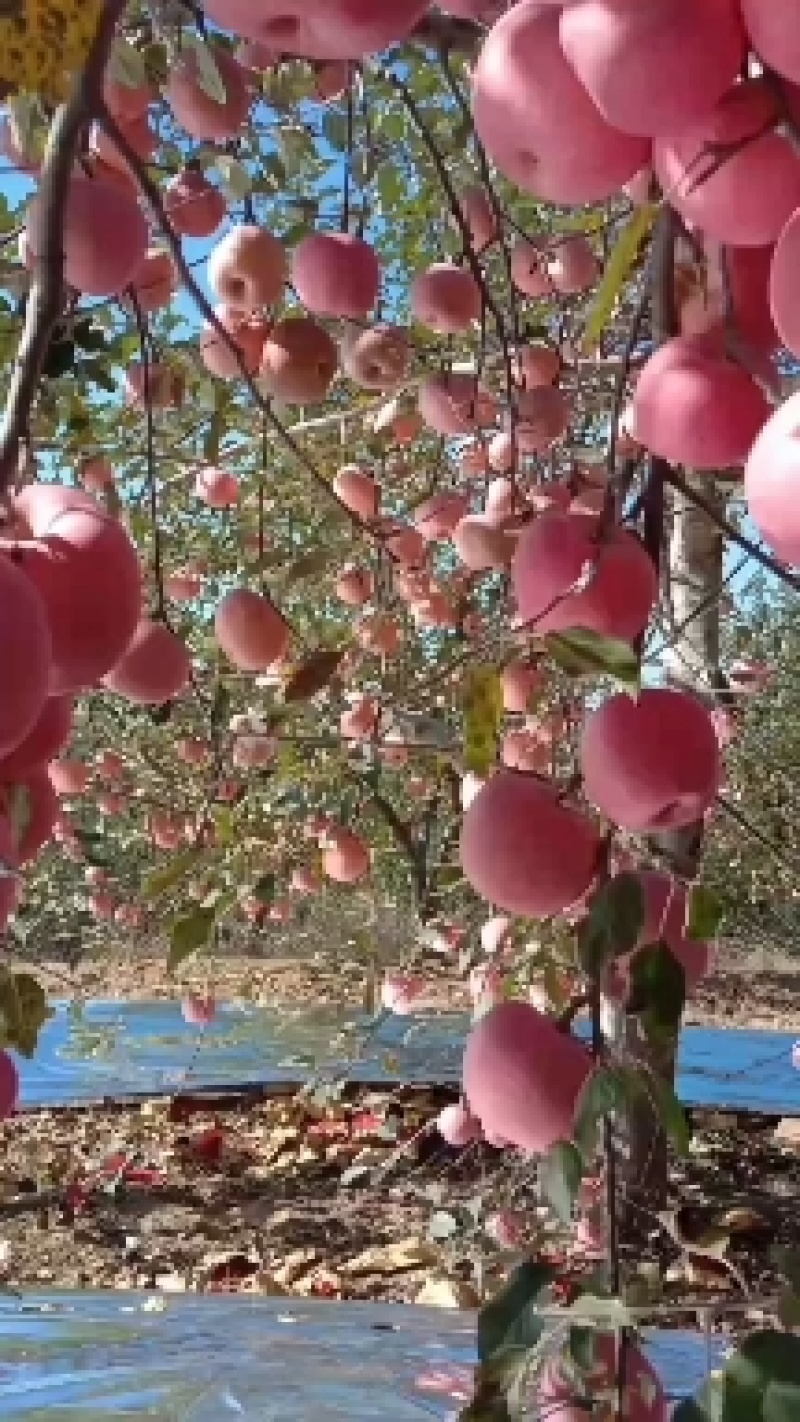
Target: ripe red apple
[(319, 29), (201, 114), (652, 763), (298, 362), (536, 119), (522, 1077), (354, 586), (9, 1086), (67, 777), (217, 488), (446, 298), (359, 722), (166, 385), (696, 406), (86, 571), (154, 669), (110, 766), (49, 735), (96, 475), (678, 56), (336, 274), (783, 299), (437, 517), (376, 357), (536, 364), (543, 417), (481, 545), (455, 403), (772, 481), (198, 1010), (772, 30), (247, 333), (345, 857), (140, 137), (554, 552), (522, 681), (750, 196), (572, 265), (25, 656), (247, 269), (457, 1126), (525, 850), (529, 269), (194, 206), (155, 281), (253, 752), (358, 490), (105, 236), (250, 630)]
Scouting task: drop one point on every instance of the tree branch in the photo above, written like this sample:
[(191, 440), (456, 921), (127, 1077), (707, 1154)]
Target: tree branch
[(47, 288)]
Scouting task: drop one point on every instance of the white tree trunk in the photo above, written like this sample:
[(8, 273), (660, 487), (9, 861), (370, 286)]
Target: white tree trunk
[(695, 571)]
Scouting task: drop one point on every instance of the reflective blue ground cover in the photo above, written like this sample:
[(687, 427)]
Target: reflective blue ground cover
[(120, 1048), (87, 1357)]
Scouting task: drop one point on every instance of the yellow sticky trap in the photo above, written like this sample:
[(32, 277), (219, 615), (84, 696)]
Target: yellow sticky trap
[(44, 43), (483, 716)]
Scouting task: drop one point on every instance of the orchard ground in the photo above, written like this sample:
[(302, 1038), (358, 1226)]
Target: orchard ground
[(751, 987), (280, 1195), (273, 1195)]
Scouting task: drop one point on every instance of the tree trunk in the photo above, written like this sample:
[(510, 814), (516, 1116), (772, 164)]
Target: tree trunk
[(691, 661)]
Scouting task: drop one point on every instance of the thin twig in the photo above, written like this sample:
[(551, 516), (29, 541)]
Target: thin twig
[(47, 288), (153, 197), (755, 550)]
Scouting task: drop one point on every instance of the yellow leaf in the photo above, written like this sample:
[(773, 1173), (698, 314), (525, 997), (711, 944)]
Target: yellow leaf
[(633, 236), (483, 716), (44, 43)]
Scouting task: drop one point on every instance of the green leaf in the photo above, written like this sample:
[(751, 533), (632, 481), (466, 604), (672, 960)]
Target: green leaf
[(766, 1371), (334, 128), (235, 180), (482, 709), (581, 652), (188, 934), (224, 825), (216, 425), (208, 75), (668, 1109), (313, 675), (165, 878), (691, 1411), (705, 913), (308, 566), (512, 1320), (99, 374), (17, 807), (614, 923), (658, 989), (616, 272), (264, 890), (560, 1175), (604, 1313), (607, 1090), (23, 1011), (88, 337), (126, 65), (760, 1382)]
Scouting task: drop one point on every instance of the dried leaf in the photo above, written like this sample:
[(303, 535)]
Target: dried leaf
[(313, 676)]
